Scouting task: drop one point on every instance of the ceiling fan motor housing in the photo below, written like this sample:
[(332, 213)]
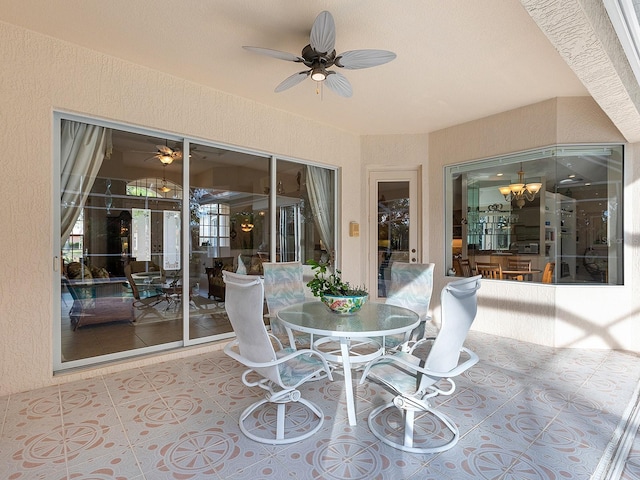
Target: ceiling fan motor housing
[(315, 59)]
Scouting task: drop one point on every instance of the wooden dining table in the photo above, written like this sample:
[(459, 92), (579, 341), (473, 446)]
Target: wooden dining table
[(374, 321), (519, 275)]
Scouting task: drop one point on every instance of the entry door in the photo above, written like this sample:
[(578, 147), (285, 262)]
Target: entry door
[(395, 225)]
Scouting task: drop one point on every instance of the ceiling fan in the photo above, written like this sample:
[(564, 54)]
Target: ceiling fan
[(167, 154), (320, 55)]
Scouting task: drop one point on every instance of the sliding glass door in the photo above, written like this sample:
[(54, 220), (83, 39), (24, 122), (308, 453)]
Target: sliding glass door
[(148, 222)]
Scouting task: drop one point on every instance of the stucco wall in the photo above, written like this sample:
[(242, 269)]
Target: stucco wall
[(385, 153), (563, 316), (40, 75)]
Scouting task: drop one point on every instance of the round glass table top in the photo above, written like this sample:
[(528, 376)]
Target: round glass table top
[(374, 319)]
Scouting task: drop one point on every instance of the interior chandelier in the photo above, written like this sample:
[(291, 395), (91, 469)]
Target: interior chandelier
[(164, 188), (521, 190)]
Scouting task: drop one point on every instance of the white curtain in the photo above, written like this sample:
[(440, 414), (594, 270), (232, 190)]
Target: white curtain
[(83, 148), (320, 187)]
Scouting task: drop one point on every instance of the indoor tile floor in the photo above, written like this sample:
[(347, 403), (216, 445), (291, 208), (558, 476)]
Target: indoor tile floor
[(524, 412)]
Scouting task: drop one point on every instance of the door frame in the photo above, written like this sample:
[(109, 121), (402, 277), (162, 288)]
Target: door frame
[(392, 174)]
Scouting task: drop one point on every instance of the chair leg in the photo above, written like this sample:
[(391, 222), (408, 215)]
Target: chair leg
[(409, 418), (280, 421), (408, 439), (280, 436)]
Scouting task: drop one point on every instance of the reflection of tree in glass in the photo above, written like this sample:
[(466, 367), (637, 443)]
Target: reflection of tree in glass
[(395, 215)]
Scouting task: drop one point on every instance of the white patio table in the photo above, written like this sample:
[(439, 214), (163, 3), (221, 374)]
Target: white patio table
[(373, 320)]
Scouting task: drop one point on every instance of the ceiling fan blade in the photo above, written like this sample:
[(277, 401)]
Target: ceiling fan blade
[(292, 81), (355, 59), (165, 150), (274, 53), (323, 33), (339, 84)]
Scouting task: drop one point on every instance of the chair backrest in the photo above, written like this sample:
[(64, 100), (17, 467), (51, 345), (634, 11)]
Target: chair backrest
[(515, 264), (547, 274), (411, 286), (132, 283), (465, 267), (459, 304), (136, 266), (489, 270), (283, 285), (244, 297)]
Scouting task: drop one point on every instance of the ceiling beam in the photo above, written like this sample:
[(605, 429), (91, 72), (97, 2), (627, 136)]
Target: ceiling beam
[(582, 33)]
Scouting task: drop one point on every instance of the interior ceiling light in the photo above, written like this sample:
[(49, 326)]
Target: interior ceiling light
[(246, 226), (166, 159), (167, 154), (521, 190), (318, 74), (164, 188)]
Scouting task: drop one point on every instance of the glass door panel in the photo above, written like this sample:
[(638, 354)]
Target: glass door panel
[(115, 196), (394, 236), (305, 202), (229, 230)]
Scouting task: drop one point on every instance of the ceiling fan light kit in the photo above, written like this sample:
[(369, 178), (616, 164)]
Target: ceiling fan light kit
[(320, 55), (166, 159), (167, 155)]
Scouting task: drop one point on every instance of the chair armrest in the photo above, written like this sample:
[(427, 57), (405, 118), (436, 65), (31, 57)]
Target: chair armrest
[(276, 339), (413, 345), (229, 350), (460, 368)]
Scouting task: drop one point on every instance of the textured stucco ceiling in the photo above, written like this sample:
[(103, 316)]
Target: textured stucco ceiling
[(457, 61)]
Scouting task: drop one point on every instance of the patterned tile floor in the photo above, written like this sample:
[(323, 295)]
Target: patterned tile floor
[(524, 412)]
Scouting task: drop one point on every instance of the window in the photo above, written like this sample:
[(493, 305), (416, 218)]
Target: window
[(557, 207), (73, 248), (214, 226)]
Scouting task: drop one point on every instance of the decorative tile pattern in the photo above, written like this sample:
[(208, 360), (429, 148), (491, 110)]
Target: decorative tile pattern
[(524, 412)]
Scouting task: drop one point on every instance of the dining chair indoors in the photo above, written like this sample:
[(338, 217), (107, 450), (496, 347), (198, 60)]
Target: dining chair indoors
[(489, 270), (547, 274), (284, 286), (515, 264), (465, 267), (279, 372), (411, 287), (520, 265), (418, 376), (152, 295)]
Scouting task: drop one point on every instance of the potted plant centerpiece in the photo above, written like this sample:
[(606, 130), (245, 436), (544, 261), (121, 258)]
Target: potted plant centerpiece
[(335, 293)]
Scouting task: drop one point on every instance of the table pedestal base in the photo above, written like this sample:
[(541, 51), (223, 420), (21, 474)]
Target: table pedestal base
[(348, 352)]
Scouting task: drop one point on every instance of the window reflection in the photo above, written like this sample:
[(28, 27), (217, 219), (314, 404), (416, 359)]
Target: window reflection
[(556, 210), (131, 275)]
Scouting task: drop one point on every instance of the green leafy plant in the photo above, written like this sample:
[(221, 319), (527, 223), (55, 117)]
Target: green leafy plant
[(326, 282)]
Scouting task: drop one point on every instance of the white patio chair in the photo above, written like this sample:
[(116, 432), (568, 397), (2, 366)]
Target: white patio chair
[(415, 379), (411, 287), (280, 372), (284, 286)]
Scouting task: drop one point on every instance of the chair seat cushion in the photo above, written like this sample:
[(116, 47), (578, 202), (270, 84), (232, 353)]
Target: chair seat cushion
[(397, 376), (298, 369)]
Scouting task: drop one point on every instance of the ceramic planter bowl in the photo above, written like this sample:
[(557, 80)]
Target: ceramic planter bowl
[(344, 305)]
